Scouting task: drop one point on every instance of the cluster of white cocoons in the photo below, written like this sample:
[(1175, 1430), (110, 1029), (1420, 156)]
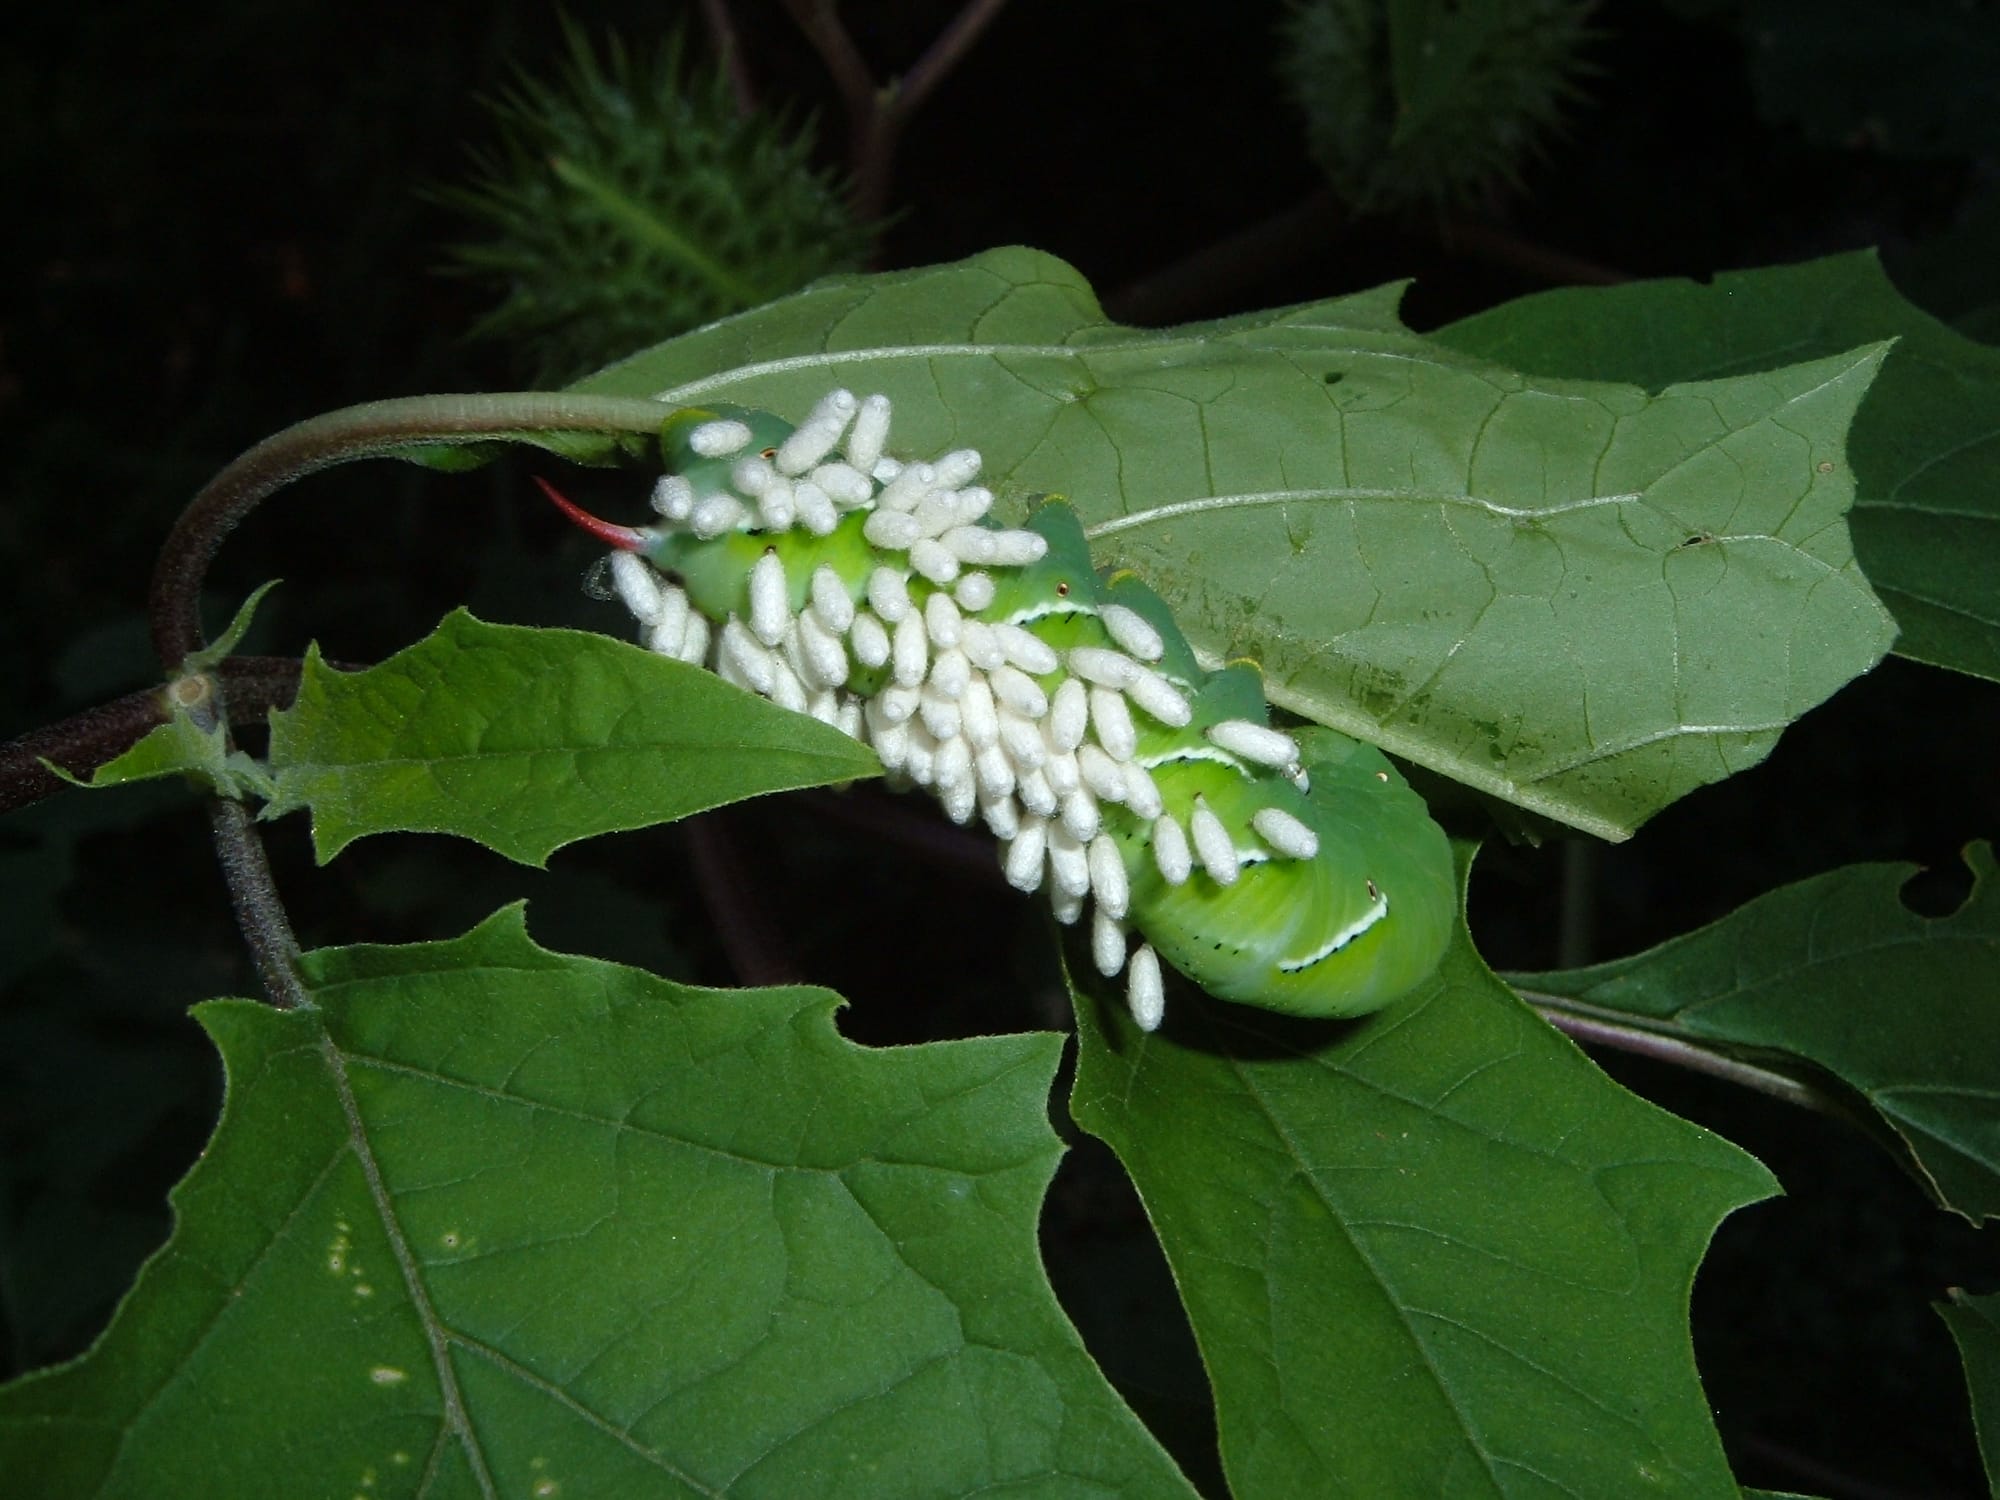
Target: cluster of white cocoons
[(966, 711)]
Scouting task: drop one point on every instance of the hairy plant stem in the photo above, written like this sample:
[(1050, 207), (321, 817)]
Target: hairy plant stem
[(85, 741), (260, 911), (379, 428), (79, 744), (752, 939), (1587, 1024), (370, 431)]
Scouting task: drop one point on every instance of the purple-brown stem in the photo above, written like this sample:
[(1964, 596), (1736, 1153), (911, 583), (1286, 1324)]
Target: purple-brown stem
[(876, 114), (377, 429), (729, 53), (752, 942), (252, 685)]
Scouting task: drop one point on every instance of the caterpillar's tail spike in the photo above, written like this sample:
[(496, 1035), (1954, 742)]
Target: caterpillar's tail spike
[(624, 538)]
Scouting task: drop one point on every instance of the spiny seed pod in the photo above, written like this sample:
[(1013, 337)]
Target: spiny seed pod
[(1426, 107), (1063, 708), (629, 198)]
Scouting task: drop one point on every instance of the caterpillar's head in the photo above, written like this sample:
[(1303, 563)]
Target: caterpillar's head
[(701, 447), (703, 444), (741, 483)]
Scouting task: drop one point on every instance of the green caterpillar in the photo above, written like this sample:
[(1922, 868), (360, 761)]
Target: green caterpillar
[(997, 669)]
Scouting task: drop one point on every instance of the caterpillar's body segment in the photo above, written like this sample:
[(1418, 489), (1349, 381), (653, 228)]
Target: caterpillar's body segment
[(1065, 709)]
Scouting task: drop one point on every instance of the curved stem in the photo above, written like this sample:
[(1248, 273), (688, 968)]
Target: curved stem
[(1604, 1031), (729, 53), (869, 145), (751, 938), (876, 115), (944, 54), (380, 427)]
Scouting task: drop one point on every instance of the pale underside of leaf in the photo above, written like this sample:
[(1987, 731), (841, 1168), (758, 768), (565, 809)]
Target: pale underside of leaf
[(1574, 596)]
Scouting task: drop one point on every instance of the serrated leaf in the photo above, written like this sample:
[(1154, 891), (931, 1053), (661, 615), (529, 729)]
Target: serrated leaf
[(1573, 596), (1925, 446), (495, 1221), (1435, 1252), (1975, 1327), (1835, 973), (526, 740)]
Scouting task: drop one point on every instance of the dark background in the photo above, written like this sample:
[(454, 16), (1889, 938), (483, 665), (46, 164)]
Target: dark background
[(217, 224)]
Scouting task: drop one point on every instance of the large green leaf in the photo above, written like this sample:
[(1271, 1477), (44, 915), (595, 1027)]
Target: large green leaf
[(529, 739), (1925, 445), (1574, 596), (1837, 974), (1975, 1327), (1435, 1252), (494, 1221)]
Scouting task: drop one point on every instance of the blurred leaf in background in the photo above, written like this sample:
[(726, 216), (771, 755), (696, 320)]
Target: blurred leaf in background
[(1429, 103)]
